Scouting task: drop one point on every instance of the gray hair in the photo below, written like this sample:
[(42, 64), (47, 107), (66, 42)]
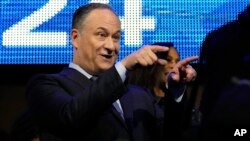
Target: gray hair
[(82, 12)]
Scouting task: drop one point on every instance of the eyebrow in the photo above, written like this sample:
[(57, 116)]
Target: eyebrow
[(102, 28)]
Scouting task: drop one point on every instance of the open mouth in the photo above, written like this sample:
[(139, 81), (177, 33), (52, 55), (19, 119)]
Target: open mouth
[(107, 56), (166, 73)]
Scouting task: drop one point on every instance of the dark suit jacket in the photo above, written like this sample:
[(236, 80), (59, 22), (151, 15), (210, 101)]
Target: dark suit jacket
[(231, 113), (69, 106)]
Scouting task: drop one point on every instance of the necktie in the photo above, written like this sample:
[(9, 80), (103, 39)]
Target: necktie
[(118, 108), (116, 104), (93, 78)]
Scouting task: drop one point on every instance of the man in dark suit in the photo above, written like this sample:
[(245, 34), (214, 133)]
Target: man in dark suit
[(86, 101)]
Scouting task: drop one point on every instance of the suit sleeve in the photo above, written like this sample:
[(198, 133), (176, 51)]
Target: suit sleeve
[(59, 101)]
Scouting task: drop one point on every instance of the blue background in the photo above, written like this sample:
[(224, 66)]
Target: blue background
[(183, 22)]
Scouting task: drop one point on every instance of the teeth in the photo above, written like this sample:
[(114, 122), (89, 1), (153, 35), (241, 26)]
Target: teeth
[(107, 55)]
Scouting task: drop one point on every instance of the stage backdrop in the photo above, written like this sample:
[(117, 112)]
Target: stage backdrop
[(38, 31)]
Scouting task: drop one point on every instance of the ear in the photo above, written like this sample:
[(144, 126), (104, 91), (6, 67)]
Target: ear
[(75, 38)]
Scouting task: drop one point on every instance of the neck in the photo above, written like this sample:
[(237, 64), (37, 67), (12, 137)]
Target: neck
[(159, 92)]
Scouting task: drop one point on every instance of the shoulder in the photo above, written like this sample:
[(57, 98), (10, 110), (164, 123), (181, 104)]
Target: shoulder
[(41, 77), (137, 89), (59, 76), (133, 86), (45, 81), (140, 93)]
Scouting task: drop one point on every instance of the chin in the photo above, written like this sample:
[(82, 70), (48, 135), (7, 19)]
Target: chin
[(106, 67)]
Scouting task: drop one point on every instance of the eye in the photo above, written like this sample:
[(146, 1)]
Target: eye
[(101, 34), (169, 59), (117, 37)]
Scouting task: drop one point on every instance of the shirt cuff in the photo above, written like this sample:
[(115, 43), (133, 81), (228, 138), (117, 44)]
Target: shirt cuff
[(121, 70), (177, 92)]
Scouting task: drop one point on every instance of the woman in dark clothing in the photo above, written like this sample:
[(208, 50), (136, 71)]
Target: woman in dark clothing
[(153, 79)]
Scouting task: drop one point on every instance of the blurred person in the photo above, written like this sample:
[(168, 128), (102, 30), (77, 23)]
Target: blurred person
[(154, 77), (225, 55), (153, 80)]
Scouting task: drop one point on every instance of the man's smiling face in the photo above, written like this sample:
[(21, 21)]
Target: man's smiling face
[(97, 44)]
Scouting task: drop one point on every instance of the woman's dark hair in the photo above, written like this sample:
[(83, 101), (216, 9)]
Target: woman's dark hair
[(163, 55)]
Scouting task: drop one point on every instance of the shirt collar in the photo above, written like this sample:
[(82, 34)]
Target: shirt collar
[(78, 68)]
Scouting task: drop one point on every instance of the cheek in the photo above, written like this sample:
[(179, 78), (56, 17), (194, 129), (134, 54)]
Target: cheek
[(167, 68), (87, 54), (170, 65), (90, 48)]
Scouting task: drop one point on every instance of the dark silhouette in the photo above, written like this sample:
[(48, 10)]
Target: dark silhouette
[(225, 55)]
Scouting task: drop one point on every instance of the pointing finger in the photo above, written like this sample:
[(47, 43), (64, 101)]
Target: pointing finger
[(156, 48), (186, 61)]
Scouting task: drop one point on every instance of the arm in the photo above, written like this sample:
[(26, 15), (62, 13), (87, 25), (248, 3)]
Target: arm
[(181, 74), (63, 101)]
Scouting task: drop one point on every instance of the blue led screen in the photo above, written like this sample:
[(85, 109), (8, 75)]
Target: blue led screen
[(38, 31)]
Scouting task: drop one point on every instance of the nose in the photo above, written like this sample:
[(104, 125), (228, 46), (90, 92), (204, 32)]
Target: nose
[(110, 45), (172, 64)]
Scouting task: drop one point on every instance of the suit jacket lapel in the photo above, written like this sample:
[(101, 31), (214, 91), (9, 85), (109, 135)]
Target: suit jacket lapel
[(76, 76), (82, 80), (119, 117), (127, 106)]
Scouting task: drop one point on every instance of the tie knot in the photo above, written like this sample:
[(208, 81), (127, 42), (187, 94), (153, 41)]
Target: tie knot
[(93, 78)]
